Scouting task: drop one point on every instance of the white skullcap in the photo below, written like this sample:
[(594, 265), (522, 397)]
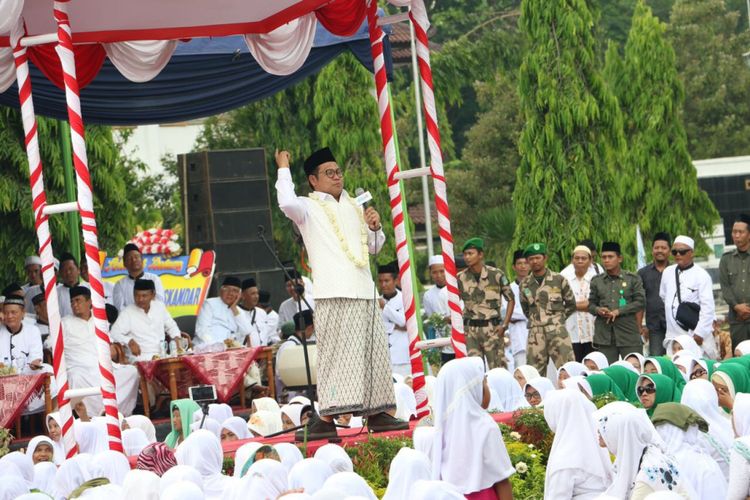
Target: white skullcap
[(435, 259), (582, 248), (32, 259), (685, 240)]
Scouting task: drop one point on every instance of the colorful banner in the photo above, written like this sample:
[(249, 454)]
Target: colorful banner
[(186, 279)]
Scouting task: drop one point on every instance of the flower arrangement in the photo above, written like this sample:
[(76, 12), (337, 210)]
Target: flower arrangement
[(361, 261), (5, 439)]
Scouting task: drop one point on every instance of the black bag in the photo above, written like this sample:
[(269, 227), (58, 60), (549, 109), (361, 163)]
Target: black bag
[(687, 313)]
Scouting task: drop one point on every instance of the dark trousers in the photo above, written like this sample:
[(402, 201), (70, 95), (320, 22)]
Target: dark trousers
[(447, 356), (582, 349), (739, 332), (656, 343), (614, 353)]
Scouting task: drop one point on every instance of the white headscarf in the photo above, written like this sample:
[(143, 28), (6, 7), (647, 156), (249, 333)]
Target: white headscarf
[(468, 451), (143, 423), (182, 490), (434, 490), (640, 357), (289, 454), (179, 474), (267, 404), (576, 443), (301, 400), (91, 436), (44, 477), (13, 487), (688, 344), (133, 441), (528, 372), (741, 414), (407, 467), (141, 484), (59, 447), (684, 363), (36, 441), (429, 387), (543, 385), (220, 411), (423, 438), (294, 412), (103, 492), (23, 462), (271, 471), (598, 358), (743, 347), (110, 464), (506, 393), (573, 368), (335, 456), (202, 450), (264, 422), (351, 484), (626, 365), (72, 473), (579, 383), (406, 402), (700, 395), (238, 426), (209, 424), (242, 455), (309, 474)]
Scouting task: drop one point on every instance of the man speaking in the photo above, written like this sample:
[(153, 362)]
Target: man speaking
[(354, 369)]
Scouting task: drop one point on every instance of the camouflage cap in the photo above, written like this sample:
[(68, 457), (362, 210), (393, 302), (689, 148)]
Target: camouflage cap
[(477, 243), (535, 249)]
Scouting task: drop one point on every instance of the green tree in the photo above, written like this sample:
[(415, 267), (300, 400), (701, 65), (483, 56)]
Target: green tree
[(716, 78), (572, 136), (111, 181), (662, 192)]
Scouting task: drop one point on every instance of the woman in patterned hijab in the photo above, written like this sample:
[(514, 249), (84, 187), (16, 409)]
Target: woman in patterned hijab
[(157, 458)]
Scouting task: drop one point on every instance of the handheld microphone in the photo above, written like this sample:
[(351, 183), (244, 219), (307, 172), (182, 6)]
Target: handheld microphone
[(363, 198)]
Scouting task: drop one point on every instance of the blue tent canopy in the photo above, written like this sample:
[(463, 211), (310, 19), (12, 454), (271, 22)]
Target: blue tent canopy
[(204, 77)]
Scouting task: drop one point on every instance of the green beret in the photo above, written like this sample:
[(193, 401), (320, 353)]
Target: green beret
[(477, 243), (535, 249)]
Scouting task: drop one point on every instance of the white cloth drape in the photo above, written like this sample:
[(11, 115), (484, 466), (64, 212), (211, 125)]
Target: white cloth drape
[(285, 49), (417, 8), (140, 61), (7, 67), (10, 10)]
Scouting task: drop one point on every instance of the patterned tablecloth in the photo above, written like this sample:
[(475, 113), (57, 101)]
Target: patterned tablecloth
[(15, 391), (221, 369)]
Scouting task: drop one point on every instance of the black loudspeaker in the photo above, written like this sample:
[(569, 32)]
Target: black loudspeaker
[(225, 198)]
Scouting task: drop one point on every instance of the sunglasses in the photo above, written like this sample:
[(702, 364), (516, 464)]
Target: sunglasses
[(646, 389), (698, 373), (532, 395), (680, 252), (333, 172)]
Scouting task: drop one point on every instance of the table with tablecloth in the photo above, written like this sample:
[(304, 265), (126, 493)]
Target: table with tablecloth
[(15, 391)]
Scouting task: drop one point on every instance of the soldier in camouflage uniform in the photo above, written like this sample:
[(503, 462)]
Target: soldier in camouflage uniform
[(482, 289), (547, 300)]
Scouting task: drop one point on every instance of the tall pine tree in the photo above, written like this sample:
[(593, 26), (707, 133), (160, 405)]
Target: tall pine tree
[(662, 191), (566, 189)]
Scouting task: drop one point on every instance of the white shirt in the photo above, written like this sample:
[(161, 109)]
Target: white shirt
[(122, 295), (333, 273), (146, 328), (395, 326), (80, 344), (272, 325), (29, 292), (27, 347), (593, 268), (289, 308), (433, 302), (580, 324), (259, 336), (518, 330), (63, 298), (216, 322), (695, 286)]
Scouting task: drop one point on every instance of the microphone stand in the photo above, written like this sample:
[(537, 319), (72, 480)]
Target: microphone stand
[(299, 290)]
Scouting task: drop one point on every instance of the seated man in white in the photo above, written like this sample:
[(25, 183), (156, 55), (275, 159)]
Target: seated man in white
[(141, 326), (259, 335), (290, 306), (272, 317), (21, 348), (33, 267), (122, 295), (69, 276), (82, 359), (220, 318), (392, 305)]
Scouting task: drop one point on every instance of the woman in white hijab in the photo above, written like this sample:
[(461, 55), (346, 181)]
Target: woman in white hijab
[(536, 389), (578, 468), (41, 449), (91, 436), (180, 474), (72, 473), (595, 361), (406, 402), (244, 453), (220, 411), (686, 343), (468, 451), (700, 395), (739, 456), (133, 441), (580, 384), (641, 466), (507, 395), (234, 428), (309, 475), (208, 424), (110, 464), (272, 472), (263, 423), (569, 369), (23, 462), (434, 490), (289, 454), (626, 365), (524, 373), (202, 450), (265, 404), (183, 490), (13, 486), (637, 360), (44, 477), (407, 467), (335, 456), (140, 484), (54, 429), (351, 484), (742, 348), (423, 438), (291, 415), (143, 423)]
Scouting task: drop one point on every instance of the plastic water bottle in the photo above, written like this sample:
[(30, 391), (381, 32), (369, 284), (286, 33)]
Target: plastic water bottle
[(172, 348)]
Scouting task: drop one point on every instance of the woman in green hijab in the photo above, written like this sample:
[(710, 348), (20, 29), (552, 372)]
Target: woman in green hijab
[(654, 389), (181, 413), (728, 380), (602, 384), (625, 379), (664, 366)]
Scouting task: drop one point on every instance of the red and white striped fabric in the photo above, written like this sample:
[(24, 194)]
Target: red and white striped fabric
[(387, 129), (88, 222), (41, 223)]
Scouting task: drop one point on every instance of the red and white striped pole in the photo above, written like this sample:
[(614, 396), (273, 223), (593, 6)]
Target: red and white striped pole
[(41, 222), (64, 51), (387, 130), (418, 16)]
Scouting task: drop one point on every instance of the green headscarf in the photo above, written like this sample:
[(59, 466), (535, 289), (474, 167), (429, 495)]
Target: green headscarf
[(678, 415), (625, 379), (738, 375), (602, 384), (742, 360), (666, 367), (187, 408), (666, 392)]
